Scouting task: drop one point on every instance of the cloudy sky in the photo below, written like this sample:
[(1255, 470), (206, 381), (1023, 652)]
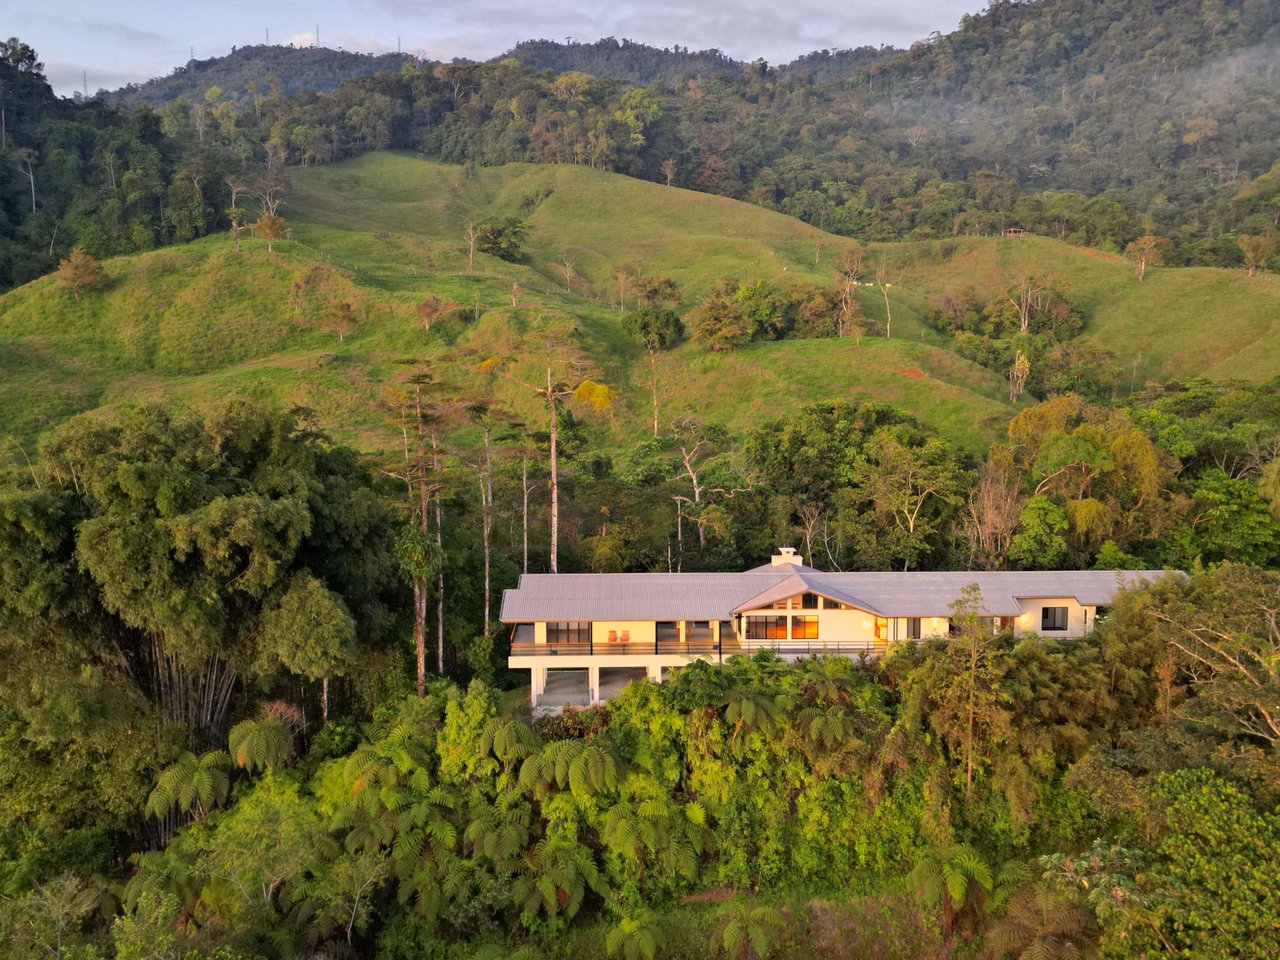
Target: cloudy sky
[(117, 41)]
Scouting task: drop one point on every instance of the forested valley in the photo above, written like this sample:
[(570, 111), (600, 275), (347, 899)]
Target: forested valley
[(261, 490)]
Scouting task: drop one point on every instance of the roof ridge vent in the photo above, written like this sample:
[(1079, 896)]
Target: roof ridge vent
[(787, 555)]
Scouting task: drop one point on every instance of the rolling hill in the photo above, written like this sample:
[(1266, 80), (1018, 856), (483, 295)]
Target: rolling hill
[(383, 232)]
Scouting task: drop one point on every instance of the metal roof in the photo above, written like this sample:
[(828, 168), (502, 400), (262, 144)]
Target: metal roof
[(718, 596)]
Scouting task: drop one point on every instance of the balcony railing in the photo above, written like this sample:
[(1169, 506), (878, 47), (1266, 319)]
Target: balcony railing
[(693, 648)]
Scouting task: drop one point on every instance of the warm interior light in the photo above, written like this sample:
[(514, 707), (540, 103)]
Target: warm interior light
[(866, 624), (1025, 618)]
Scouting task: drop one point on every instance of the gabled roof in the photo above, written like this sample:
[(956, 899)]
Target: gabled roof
[(785, 567), (811, 581), (719, 596)]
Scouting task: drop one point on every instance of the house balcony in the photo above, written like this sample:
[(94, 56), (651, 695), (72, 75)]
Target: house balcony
[(694, 648)]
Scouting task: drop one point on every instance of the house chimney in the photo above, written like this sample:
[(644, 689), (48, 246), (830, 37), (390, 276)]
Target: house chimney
[(787, 555)]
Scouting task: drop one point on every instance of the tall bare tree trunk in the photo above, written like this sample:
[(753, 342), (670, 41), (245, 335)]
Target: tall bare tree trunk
[(435, 463), (973, 683), (420, 584), (679, 538), (488, 521), (653, 368), (524, 515), (555, 478)]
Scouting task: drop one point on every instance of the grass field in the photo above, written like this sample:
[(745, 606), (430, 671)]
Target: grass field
[(383, 232), (1196, 321)]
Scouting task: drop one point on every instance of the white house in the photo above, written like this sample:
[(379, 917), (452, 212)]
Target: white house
[(584, 636)]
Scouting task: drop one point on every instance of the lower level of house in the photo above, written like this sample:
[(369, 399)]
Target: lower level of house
[(583, 637)]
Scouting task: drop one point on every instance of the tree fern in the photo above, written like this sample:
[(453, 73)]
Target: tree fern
[(635, 937), (955, 878), (192, 784), (261, 744), (747, 931)]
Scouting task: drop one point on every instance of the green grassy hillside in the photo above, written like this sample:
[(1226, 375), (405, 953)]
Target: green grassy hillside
[(381, 233), (1175, 323)]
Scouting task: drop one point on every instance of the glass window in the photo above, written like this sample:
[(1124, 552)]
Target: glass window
[(829, 604), (809, 601), (698, 630), (804, 628), (913, 628), (569, 631), (727, 632), (1053, 618), (766, 628)]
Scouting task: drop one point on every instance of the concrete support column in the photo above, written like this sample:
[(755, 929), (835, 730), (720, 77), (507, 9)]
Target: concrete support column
[(537, 684), (593, 683), (682, 631), (655, 673)]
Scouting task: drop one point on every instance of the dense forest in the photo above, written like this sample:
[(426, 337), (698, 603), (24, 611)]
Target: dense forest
[(256, 703), (213, 747), (257, 69), (1117, 121)]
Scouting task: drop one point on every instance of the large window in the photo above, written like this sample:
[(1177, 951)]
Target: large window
[(913, 628), (698, 631), (1053, 618), (804, 628), (569, 631), (766, 628), (808, 601)]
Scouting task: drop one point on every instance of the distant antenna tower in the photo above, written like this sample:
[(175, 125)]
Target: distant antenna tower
[(397, 43), (317, 34), (268, 36), (85, 78), (192, 51)]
